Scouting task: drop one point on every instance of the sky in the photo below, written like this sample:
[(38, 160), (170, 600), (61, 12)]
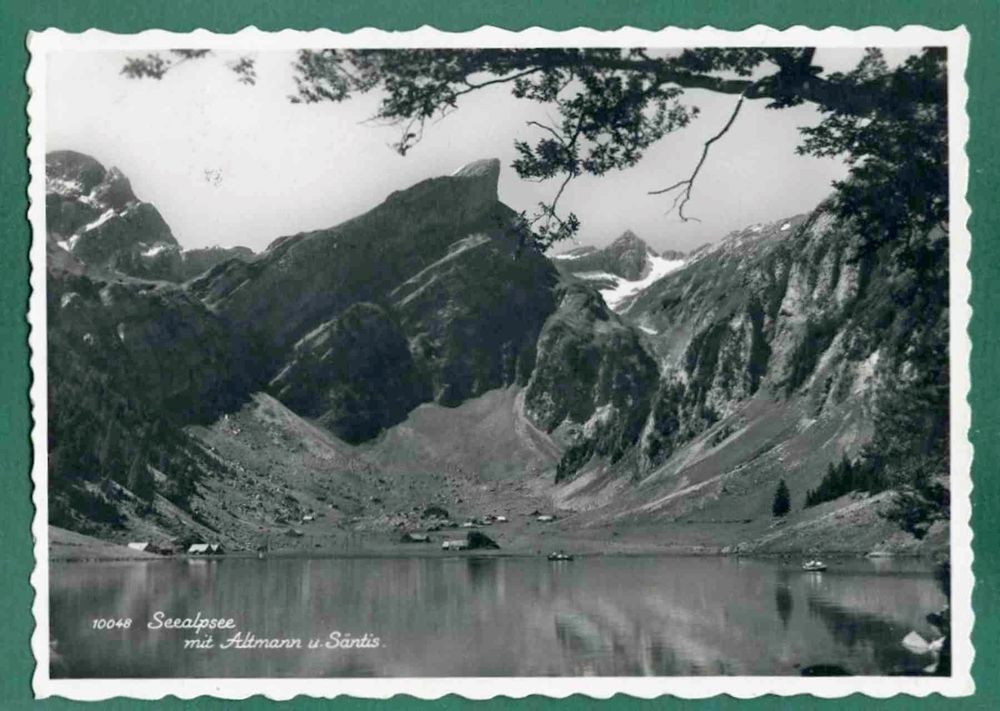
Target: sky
[(228, 164)]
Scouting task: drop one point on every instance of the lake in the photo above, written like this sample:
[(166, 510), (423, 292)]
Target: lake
[(491, 616)]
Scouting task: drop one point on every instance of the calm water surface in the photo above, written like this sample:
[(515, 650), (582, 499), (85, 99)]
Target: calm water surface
[(494, 616)]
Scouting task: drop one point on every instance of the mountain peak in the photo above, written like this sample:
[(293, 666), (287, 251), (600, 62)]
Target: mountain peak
[(74, 175), (482, 177), (629, 240), (484, 168), (628, 257)]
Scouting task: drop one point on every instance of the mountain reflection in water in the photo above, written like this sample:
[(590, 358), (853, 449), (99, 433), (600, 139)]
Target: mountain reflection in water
[(477, 616)]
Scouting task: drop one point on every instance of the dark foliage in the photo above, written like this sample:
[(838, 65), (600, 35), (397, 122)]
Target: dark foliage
[(916, 507), (845, 477), (479, 540), (79, 508), (897, 145), (667, 425), (782, 503), (574, 458), (818, 337)]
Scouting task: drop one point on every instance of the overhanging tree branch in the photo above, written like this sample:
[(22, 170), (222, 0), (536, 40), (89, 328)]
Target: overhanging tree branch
[(889, 124), (688, 184)]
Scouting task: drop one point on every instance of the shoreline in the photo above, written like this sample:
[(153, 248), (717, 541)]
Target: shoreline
[(67, 547), (314, 554)]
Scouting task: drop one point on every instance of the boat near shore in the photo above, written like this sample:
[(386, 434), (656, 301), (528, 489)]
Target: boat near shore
[(814, 566), (560, 556)]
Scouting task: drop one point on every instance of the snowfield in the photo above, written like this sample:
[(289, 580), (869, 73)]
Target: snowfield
[(623, 288)]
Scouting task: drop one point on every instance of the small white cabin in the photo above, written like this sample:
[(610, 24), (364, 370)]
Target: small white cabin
[(205, 549)]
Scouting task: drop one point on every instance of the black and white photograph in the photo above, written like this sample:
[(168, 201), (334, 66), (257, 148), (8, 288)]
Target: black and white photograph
[(562, 362)]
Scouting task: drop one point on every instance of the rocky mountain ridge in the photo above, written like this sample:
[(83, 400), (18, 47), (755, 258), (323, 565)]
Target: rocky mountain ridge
[(676, 390)]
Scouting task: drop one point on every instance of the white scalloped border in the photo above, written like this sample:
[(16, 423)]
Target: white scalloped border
[(959, 684)]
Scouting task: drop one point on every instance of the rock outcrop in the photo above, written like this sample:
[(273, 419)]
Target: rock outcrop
[(593, 382), (354, 374), (782, 348)]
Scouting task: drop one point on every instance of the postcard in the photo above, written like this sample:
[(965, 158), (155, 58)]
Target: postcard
[(500, 362)]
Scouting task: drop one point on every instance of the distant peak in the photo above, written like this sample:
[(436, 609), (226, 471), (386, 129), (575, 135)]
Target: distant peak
[(630, 240), (629, 237)]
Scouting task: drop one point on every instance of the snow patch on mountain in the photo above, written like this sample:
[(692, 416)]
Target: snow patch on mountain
[(156, 249), (68, 244), (105, 216), (598, 276), (616, 295)]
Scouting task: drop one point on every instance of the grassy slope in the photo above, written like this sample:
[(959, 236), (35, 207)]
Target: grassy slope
[(71, 546), (715, 497)]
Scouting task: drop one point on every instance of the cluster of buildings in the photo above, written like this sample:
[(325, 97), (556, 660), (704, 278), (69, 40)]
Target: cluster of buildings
[(169, 549)]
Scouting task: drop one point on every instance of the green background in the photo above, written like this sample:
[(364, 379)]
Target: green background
[(17, 17)]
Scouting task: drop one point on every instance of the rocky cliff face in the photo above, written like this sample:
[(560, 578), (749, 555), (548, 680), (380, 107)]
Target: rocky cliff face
[(355, 374), (593, 382), (712, 325), (772, 307), (194, 262), (781, 349)]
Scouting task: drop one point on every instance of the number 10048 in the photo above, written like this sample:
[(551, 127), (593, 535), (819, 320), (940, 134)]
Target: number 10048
[(111, 623)]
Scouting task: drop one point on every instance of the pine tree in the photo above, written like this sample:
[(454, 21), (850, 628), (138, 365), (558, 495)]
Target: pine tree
[(782, 500)]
